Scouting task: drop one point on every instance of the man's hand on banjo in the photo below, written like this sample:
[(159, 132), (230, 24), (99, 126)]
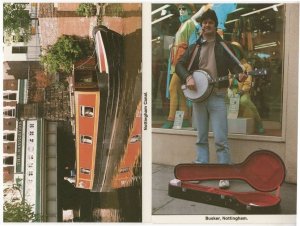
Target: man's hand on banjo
[(190, 83), (242, 77)]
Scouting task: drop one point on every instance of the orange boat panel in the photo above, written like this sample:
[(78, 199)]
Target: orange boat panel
[(86, 137)]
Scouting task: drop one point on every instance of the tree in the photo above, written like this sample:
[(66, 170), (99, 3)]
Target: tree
[(16, 21), (86, 9), (19, 212), (64, 53), (15, 207)]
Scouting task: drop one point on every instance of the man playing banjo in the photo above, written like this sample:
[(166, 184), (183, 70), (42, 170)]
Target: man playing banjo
[(210, 56)]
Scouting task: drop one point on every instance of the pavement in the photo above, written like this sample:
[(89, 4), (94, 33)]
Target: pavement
[(162, 204)]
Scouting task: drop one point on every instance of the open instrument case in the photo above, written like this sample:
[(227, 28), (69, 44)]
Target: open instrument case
[(263, 170)]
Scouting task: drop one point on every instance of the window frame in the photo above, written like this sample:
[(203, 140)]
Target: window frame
[(86, 137), (83, 112)]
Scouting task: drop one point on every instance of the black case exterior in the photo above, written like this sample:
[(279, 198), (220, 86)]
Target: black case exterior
[(219, 200)]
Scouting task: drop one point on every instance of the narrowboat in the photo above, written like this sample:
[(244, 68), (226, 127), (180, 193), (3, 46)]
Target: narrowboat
[(96, 87)]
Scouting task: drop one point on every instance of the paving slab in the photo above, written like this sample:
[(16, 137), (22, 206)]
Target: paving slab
[(161, 200)]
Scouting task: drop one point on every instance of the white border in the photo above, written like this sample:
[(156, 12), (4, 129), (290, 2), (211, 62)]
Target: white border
[(146, 114)]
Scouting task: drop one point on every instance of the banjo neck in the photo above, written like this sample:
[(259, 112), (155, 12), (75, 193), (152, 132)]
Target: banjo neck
[(224, 78), (256, 72)]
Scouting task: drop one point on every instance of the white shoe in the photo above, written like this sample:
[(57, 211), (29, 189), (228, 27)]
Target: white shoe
[(175, 182), (224, 184)]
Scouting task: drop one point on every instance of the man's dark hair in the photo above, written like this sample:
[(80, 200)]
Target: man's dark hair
[(209, 14)]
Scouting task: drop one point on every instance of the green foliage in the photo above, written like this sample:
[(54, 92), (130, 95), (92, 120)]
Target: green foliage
[(114, 9), (64, 53), (86, 9), (19, 212), (16, 21), (17, 209)]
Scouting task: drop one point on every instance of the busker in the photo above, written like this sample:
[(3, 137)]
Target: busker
[(213, 58)]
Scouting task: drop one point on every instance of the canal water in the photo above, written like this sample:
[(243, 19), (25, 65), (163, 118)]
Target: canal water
[(122, 203)]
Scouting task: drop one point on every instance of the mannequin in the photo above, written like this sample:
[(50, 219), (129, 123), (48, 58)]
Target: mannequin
[(186, 35), (247, 107)]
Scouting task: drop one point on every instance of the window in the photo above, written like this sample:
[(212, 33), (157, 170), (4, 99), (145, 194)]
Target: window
[(135, 138), (19, 49), (8, 160), (86, 111), (9, 137), (9, 96), (85, 76), (86, 139), (259, 30), (85, 171), (9, 113), (124, 170)]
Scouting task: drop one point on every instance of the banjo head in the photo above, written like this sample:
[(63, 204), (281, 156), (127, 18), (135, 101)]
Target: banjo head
[(203, 87)]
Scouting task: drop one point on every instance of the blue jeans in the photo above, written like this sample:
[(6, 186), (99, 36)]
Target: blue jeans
[(213, 109)]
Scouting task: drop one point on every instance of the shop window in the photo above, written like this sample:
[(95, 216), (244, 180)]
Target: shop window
[(86, 111), (86, 139), (259, 30)]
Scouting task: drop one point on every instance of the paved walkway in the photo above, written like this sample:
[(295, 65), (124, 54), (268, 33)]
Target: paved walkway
[(162, 204)]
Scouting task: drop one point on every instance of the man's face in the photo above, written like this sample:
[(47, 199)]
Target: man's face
[(182, 11), (208, 27)]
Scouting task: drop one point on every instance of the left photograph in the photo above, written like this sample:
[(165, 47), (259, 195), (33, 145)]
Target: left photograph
[(72, 84)]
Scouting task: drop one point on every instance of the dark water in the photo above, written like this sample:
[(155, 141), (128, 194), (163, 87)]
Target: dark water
[(118, 205)]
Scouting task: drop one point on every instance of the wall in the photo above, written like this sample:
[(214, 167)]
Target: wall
[(291, 89)]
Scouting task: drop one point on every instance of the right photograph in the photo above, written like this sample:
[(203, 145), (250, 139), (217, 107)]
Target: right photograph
[(224, 109)]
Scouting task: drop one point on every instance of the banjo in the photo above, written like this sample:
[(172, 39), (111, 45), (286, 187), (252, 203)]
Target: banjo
[(205, 84)]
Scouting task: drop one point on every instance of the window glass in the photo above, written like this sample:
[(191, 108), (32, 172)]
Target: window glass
[(256, 32), (86, 111), (9, 96), (86, 139), (19, 49), (8, 160), (9, 113), (85, 171), (9, 137)]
